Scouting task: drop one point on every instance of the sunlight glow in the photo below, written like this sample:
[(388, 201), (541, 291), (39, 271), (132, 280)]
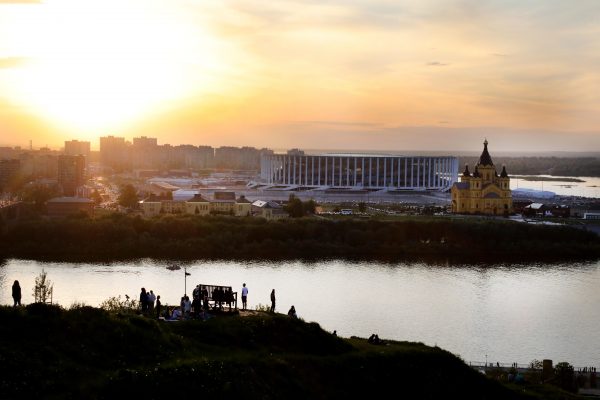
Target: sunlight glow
[(95, 66)]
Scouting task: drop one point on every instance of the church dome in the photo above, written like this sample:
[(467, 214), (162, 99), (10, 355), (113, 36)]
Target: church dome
[(485, 158)]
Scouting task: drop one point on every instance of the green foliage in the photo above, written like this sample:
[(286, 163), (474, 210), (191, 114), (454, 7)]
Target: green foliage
[(39, 195), (310, 206), (43, 288), (362, 207), (190, 237), (96, 197), (128, 196), (119, 305), (263, 307), (536, 364), (565, 376), (296, 208)]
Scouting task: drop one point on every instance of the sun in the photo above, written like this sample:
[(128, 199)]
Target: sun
[(94, 66)]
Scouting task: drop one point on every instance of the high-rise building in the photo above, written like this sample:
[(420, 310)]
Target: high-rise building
[(71, 173), (145, 153), (114, 153), (76, 147), (9, 169), (144, 141)]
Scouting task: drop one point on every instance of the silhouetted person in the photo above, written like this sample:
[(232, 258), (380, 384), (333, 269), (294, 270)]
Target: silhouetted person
[(16, 293), (334, 333), (205, 297), (158, 306), (151, 298), (273, 300), (244, 296), (292, 312), (144, 300), (229, 297)]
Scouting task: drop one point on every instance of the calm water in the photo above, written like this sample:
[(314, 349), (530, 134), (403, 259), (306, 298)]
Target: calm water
[(511, 313), (589, 188)]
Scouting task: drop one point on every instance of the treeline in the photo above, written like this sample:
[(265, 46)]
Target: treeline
[(120, 237), (558, 166)]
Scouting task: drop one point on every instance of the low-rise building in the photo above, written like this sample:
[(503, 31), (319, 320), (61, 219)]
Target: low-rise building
[(152, 206), (197, 205), (243, 207), (269, 210), (223, 203)]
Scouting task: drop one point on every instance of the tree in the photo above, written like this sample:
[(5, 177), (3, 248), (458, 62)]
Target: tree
[(294, 207), (310, 206), (128, 196), (39, 195), (565, 376), (43, 289), (96, 197)]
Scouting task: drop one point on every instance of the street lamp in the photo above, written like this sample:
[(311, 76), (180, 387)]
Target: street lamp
[(185, 281), (185, 275)]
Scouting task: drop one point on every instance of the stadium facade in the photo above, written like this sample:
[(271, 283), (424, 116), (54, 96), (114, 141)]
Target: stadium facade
[(359, 171)]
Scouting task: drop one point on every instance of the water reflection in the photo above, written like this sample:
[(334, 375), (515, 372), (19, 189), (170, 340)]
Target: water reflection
[(512, 313)]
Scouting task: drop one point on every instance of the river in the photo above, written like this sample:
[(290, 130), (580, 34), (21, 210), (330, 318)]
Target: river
[(590, 187), (511, 313)]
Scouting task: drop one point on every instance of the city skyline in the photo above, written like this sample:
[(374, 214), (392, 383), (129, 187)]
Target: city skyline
[(365, 75)]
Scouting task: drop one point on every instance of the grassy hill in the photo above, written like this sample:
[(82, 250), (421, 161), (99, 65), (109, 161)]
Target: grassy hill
[(85, 352)]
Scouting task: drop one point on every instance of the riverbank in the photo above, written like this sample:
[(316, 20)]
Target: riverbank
[(470, 240), (85, 352)]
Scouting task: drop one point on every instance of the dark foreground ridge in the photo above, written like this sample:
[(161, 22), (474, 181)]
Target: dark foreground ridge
[(120, 237), (84, 352)]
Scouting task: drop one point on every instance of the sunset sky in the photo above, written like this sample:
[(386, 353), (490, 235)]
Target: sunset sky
[(341, 74)]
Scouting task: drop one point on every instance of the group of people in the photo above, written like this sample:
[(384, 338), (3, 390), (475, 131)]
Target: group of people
[(150, 303), (374, 339), (198, 307)]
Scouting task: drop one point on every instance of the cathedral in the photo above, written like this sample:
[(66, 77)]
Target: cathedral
[(483, 191)]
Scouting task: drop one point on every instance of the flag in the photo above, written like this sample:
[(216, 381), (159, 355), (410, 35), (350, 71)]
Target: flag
[(187, 274)]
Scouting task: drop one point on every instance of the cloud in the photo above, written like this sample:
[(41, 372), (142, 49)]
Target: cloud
[(11, 62), (436, 64)]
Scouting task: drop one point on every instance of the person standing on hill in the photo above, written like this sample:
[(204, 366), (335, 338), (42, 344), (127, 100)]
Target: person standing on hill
[(143, 300), (273, 300), (16, 293), (158, 306), (244, 296)]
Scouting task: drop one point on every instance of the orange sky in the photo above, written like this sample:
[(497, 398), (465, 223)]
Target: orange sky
[(376, 74)]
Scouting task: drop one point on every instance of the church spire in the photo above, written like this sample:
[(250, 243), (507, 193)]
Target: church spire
[(466, 173), (485, 158)]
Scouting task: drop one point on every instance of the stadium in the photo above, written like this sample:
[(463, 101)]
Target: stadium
[(358, 172)]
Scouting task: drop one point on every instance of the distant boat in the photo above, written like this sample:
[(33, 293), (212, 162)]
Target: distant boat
[(173, 267)]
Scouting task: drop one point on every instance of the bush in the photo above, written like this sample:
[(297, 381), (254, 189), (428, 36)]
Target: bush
[(119, 305)]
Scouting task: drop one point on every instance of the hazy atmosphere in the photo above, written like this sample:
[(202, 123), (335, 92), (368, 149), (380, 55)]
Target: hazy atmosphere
[(347, 75)]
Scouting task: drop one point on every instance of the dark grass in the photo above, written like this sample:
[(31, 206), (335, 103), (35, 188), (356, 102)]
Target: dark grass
[(48, 352)]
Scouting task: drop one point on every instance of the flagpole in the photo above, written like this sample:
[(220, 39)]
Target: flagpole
[(185, 281)]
